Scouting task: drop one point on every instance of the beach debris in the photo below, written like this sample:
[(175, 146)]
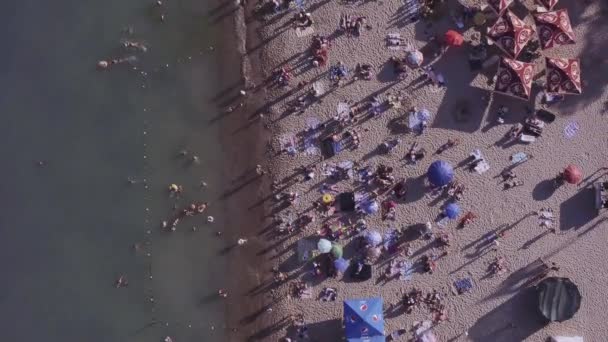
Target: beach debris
[(168, 339), (463, 285), (222, 293)]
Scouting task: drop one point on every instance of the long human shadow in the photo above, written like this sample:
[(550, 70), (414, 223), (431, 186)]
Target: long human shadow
[(514, 320), (517, 280)]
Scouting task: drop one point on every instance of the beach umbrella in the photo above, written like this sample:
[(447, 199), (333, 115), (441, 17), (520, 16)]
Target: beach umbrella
[(572, 174), (324, 246), (547, 4), (510, 34), (414, 58), (452, 211), (440, 173), (341, 265), (336, 251), (558, 299), (328, 199), (554, 28), (372, 237), (563, 76), (364, 320), (371, 207), (514, 78), (453, 38), (499, 6)]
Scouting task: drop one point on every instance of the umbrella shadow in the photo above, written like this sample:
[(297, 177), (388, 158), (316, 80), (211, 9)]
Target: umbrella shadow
[(578, 210), (544, 190), (518, 280), (514, 320)]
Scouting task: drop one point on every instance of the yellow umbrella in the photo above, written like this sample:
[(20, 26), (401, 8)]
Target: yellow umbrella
[(328, 199)]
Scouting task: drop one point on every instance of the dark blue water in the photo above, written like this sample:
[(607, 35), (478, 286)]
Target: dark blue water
[(68, 228)]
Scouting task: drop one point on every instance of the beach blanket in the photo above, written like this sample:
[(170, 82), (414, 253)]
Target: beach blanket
[(311, 136), (463, 285)]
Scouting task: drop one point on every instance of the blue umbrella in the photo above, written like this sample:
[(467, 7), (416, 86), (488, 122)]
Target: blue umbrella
[(370, 207), (324, 246), (452, 210), (341, 264), (440, 173), (363, 320), (372, 237)]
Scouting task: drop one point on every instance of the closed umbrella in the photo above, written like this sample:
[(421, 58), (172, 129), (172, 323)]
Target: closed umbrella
[(341, 265), (324, 246), (453, 38), (336, 251), (452, 211), (572, 174), (373, 237), (370, 207), (440, 173), (414, 58)]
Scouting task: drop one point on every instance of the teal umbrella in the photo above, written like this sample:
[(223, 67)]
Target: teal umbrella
[(324, 246), (336, 251)]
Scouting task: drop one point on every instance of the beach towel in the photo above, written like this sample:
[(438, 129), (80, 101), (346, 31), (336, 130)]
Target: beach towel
[(463, 285)]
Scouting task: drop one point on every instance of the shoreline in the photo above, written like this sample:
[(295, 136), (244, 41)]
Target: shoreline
[(243, 141)]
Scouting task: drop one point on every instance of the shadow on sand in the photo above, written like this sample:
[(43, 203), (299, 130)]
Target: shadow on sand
[(514, 320)]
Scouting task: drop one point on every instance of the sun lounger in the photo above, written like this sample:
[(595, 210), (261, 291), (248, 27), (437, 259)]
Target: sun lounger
[(527, 138)]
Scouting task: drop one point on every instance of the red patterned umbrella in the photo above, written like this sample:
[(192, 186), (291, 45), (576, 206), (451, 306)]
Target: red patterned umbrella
[(554, 28), (499, 6), (572, 174), (548, 4), (511, 34), (514, 78), (563, 76), (453, 38)]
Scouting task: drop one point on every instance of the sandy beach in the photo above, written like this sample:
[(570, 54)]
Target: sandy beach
[(499, 307)]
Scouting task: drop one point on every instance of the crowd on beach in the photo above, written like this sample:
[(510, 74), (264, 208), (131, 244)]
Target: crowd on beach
[(353, 195)]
